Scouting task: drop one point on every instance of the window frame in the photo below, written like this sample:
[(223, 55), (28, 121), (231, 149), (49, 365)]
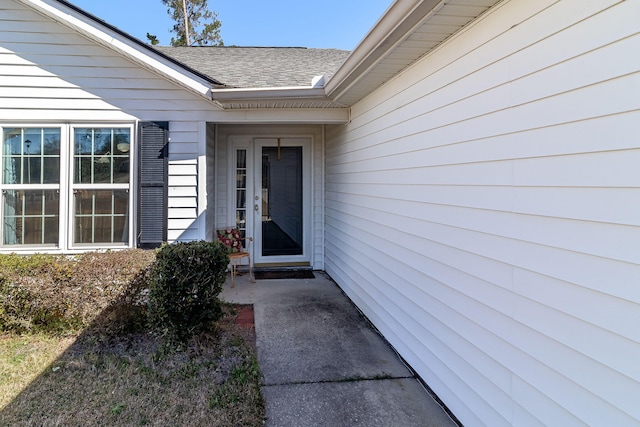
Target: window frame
[(74, 187), (33, 187), (66, 188)]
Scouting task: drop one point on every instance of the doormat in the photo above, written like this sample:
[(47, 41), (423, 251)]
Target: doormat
[(283, 274)]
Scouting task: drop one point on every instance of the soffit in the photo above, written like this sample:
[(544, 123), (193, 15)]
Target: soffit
[(396, 43), (281, 103)]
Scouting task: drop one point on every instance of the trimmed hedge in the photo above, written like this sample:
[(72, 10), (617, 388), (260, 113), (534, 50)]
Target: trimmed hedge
[(174, 290), (184, 287), (63, 294)]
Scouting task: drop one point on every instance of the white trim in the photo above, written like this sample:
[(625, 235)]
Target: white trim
[(323, 179), (240, 98), (306, 142), (403, 18), (129, 187), (283, 116), (397, 21), (202, 179), (267, 93), (234, 142), (233, 145), (65, 228), (30, 248)]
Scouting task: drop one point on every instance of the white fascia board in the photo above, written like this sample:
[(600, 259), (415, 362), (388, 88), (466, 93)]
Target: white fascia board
[(247, 94), (105, 37), (400, 19)]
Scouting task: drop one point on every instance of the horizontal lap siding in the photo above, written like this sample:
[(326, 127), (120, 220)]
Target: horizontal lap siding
[(483, 210), (184, 222), (49, 71)]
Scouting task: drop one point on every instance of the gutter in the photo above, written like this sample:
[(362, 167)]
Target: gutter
[(248, 94), (314, 94)]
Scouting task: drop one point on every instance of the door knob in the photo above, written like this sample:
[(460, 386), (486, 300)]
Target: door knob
[(256, 208)]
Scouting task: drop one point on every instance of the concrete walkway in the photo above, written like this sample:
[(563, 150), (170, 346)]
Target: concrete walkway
[(322, 363)]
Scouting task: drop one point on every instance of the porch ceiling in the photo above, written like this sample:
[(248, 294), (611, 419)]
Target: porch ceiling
[(294, 97), (276, 104)]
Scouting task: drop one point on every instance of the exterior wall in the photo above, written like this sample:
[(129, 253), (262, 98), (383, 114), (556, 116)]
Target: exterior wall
[(483, 210), (49, 74), (184, 187), (219, 180)]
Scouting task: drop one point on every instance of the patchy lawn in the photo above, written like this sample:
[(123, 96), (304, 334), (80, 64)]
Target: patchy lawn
[(131, 380)]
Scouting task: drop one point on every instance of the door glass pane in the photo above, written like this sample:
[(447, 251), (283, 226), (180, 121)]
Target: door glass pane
[(282, 201), (241, 193)]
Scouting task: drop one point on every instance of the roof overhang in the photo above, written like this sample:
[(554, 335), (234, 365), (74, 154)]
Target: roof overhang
[(407, 31), (112, 38)]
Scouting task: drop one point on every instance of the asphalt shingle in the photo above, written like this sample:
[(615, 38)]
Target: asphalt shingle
[(255, 67)]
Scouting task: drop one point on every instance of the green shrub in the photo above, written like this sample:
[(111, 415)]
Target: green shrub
[(184, 287), (63, 294)]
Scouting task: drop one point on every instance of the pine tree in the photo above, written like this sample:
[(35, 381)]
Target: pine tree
[(202, 26)]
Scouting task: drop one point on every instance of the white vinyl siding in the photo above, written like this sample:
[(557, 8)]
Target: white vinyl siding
[(70, 74), (184, 222), (483, 210)]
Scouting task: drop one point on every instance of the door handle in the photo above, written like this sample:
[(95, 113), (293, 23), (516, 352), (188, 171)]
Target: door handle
[(256, 207)]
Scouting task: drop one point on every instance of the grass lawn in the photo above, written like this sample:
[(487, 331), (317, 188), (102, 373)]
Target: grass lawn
[(132, 380)]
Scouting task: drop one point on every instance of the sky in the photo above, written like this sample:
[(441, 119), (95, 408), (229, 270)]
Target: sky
[(339, 24)]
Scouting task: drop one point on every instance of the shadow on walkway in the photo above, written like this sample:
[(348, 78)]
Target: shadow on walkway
[(322, 362)]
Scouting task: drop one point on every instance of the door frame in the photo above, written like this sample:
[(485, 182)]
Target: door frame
[(253, 144)]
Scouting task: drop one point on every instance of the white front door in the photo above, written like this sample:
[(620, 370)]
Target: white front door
[(270, 197), (281, 201)]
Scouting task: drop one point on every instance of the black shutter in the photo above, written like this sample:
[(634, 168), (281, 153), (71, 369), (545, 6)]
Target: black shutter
[(153, 174)]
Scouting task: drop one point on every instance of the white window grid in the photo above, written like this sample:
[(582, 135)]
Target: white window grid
[(66, 187)]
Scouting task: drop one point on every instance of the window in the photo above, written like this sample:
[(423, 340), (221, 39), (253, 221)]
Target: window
[(66, 186), (101, 185), (31, 186)]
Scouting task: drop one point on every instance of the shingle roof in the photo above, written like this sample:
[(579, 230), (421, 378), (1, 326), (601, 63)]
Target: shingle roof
[(257, 67)]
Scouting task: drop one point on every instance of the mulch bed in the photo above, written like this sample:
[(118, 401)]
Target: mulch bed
[(244, 318)]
